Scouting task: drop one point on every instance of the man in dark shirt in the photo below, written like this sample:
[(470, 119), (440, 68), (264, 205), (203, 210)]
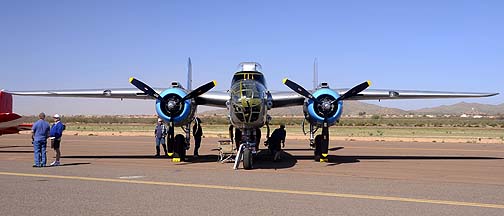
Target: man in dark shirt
[(237, 138), (277, 137), (258, 138), (197, 133)]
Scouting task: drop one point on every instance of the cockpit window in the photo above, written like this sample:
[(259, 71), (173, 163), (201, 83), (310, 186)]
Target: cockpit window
[(246, 100), (244, 75)]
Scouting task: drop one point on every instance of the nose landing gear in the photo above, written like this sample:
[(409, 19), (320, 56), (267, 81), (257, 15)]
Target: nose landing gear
[(245, 152)]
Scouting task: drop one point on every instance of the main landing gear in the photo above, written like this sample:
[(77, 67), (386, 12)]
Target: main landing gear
[(320, 143)]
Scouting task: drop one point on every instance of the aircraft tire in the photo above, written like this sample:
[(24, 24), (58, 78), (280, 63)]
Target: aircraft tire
[(247, 159)]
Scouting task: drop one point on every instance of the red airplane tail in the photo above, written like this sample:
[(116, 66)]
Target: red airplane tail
[(10, 122), (5, 102)]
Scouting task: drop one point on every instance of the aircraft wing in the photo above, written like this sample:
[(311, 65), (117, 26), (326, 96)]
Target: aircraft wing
[(130, 93), (382, 94), (211, 98), (289, 98)]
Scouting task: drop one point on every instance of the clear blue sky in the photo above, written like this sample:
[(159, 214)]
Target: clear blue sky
[(425, 45)]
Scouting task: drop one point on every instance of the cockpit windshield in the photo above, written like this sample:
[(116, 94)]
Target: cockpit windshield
[(246, 100), (249, 71), (249, 76)]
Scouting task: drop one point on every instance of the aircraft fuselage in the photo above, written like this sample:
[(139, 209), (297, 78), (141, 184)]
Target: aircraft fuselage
[(248, 104)]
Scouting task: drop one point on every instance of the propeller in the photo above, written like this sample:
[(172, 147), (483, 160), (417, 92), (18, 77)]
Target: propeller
[(145, 88), (200, 90), (354, 91), (350, 93), (326, 105), (299, 89), (173, 103)]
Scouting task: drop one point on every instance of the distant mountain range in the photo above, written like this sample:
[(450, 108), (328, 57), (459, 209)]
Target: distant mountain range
[(463, 107), (356, 107)]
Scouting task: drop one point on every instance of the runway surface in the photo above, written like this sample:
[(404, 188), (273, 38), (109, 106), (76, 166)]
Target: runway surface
[(120, 176)]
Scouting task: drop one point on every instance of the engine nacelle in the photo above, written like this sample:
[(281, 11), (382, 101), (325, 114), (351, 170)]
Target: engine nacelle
[(315, 112), (180, 113)]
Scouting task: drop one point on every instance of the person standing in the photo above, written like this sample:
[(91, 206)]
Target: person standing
[(40, 133), (160, 134), (55, 136), (258, 138), (197, 133), (237, 138)]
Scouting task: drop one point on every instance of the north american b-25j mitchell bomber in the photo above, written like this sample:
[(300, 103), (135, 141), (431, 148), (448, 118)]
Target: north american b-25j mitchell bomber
[(248, 101)]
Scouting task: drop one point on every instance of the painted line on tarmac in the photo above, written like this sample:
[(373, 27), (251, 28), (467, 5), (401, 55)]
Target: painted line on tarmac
[(265, 190), (425, 149)]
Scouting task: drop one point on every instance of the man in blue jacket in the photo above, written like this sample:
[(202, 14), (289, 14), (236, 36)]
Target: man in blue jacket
[(40, 132), (55, 136)]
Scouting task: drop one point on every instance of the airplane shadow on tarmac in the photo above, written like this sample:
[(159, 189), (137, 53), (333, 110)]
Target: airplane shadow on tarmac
[(16, 146), (20, 151), (264, 160)]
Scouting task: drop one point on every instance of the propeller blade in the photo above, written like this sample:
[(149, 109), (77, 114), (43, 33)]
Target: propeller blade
[(299, 89), (354, 91), (200, 90), (145, 88)]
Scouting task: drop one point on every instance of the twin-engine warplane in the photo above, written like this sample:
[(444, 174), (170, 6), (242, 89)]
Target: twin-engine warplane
[(248, 101)]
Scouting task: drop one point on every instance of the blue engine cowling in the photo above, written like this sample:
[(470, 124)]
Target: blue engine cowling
[(315, 115), (184, 112)]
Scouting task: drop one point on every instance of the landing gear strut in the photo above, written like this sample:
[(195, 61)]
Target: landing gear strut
[(320, 143), (245, 152), (324, 144), (170, 139)]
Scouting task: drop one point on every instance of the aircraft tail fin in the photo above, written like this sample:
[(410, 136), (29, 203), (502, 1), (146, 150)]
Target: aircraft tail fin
[(189, 74), (315, 74), (5, 102)]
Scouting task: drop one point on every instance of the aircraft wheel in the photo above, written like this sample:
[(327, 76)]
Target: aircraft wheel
[(247, 159)]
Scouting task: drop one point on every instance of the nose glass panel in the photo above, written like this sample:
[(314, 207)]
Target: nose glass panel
[(246, 100)]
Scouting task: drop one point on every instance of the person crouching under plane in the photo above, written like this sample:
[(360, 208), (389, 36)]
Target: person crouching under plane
[(277, 137), (160, 134), (55, 136)]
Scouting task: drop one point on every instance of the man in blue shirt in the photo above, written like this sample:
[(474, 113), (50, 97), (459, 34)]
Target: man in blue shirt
[(40, 132), (55, 136)]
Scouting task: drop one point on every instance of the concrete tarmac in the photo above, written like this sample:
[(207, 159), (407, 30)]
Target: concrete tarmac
[(120, 176)]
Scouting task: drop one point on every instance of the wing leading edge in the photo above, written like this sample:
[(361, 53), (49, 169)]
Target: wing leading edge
[(211, 98), (289, 98)]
